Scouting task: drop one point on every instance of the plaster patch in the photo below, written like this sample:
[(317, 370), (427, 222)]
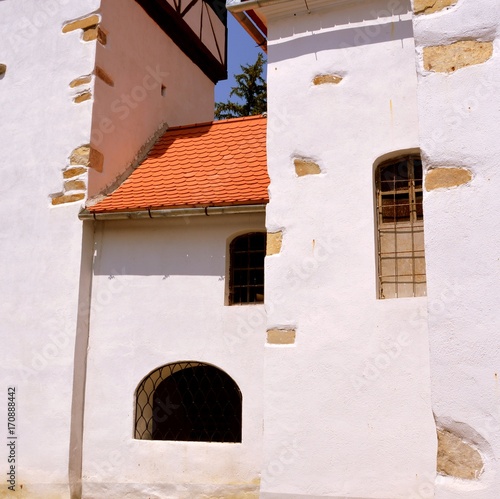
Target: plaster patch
[(430, 6), (84, 96), (327, 78), (83, 23), (101, 74), (450, 58), (64, 199), (306, 167), (457, 458), (444, 178), (274, 242), (281, 336), (81, 80)]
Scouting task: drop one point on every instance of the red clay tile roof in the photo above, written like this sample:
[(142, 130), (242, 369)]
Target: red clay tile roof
[(211, 164)]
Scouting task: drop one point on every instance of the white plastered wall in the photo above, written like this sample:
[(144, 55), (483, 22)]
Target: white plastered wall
[(40, 244), (158, 298), (459, 116), (140, 58), (347, 407)]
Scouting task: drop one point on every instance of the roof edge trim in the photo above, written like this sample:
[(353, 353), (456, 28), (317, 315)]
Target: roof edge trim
[(172, 212), (239, 5)]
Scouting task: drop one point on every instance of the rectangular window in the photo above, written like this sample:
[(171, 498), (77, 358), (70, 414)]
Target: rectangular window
[(400, 228), (246, 280)]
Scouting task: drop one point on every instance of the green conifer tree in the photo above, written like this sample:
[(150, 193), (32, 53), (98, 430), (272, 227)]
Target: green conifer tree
[(251, 89)]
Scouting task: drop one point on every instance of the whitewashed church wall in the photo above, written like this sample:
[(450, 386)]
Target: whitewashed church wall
[(41, 237), (146, 83), (158, 298), (350, 394), (459, 115)]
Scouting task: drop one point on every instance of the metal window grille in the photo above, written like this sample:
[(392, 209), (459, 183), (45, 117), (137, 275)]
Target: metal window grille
[(246, 280), (401, 257), (188, 401)]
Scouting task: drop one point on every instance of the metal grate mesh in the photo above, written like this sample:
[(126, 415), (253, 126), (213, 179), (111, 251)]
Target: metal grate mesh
[(188, 401), (401, 261), (246, 282)]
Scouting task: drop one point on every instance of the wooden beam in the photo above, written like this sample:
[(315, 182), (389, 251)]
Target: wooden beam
[(183, 36)]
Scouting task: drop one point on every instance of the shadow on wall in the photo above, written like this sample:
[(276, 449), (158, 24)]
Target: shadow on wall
[(377, 29), (187, 246)]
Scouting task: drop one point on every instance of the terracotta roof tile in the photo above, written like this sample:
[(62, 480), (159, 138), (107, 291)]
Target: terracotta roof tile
[(218, 163)]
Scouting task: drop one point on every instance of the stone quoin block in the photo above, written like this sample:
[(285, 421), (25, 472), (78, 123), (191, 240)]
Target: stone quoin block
[(430, 6), (102, 36), (102, 75), (81, 80), (457, 458), (80, 156), (450, 58), (274, 242), (281, 336), (74, 185), (90, 34), (96, 160), (327, 78), (64, 199), (84, 23), (443, 178), (84, 96), (74, 172), (306, 167)]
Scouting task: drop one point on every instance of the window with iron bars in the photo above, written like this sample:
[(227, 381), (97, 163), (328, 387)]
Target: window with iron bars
[(246, 268), (188, 401), (400, 228)]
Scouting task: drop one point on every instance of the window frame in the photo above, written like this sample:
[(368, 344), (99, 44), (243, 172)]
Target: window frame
[(231, 269), (146, 417), (413, 227)]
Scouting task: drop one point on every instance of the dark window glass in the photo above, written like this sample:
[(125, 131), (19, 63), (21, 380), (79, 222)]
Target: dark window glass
[(246, 268), (189, 401)]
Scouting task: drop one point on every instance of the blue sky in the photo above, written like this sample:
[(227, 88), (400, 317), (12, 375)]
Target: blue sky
[(241, 50)]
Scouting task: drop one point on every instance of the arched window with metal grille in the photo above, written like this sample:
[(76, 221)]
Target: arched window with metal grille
[(400, 227), (246, 268), (188, 401)]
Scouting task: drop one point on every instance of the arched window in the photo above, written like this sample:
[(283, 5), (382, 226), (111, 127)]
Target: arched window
[(188, 401), (246, 268), (400, 228)]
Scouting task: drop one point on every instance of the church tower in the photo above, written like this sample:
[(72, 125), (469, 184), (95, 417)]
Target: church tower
[(85, 88)]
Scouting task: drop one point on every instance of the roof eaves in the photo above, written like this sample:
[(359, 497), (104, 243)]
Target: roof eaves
[(86, 214)]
